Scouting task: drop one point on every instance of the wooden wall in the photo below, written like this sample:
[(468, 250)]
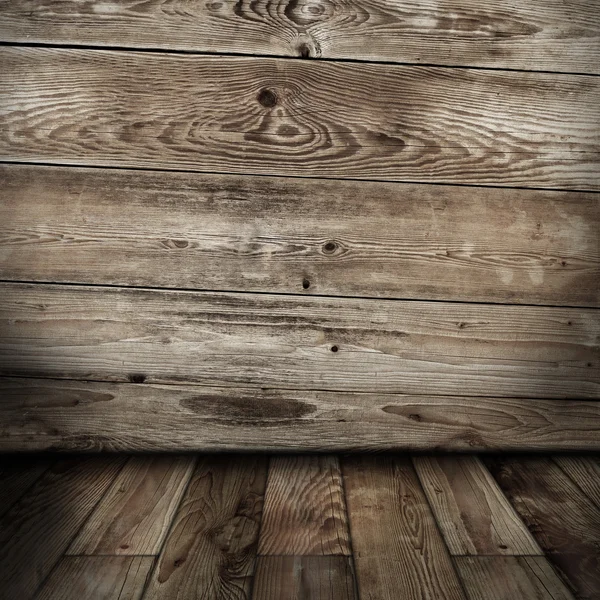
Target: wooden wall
[(299, 224)]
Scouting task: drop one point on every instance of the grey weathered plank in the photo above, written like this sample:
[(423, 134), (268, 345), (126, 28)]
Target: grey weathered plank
[(584, 471), (398, 551), (270, 234), (473, 514), (298, 342), (277, 116), (305, 512), (135, 514), (98, 578), (554, 35), (93, 416)]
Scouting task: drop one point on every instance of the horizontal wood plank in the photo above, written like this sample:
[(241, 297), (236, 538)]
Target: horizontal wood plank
[(555, 35), (299, 118), (250, 234), (91, 417)]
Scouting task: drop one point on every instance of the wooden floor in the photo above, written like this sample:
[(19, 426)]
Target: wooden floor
[(300, 527)]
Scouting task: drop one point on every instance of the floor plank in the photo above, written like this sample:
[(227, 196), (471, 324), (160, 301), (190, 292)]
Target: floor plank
[(553, 35), (35, 533), (508, 577), (473, 514), (210, 550), (300, 118), (18, 474), (398, 550), (584, 471), (304, 577), (134, 516), (98, 578), (262, 234), (564, 521), (295, 342), (42, 415), (305, 512)]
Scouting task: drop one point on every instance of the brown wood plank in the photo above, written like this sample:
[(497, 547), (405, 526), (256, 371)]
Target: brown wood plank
[(509, 577), (553, 35), (304, 511), (38, 529), (299, 118), (91, 416), (134, 516), (304, 577), (259, 234), (565, 522), (473, 514), (210, 550), (18, 474), (398, 551), (584, 471), (98, 578), (298, 342)]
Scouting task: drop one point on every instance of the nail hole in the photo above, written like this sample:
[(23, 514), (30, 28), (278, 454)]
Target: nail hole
[(329, 247), (304, 51), (305, 284), (124, 546), (267, 98), (503, 547), (334, 348), (137, 378)]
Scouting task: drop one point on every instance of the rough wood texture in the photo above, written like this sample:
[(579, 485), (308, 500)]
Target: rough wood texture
[(17, 474), (210, 551), (473, 514), (38, 529), (565, 522), (90, 416), (553, 35), (290, 117), (304, 512), (507, 578), (261, 234), (98, 578), (298, 342), (585, 472), (134, 516), (398, 550), (303, 578)]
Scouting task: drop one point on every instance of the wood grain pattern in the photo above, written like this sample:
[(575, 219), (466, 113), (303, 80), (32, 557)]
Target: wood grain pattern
[(584, 471), (210, 551), (296, 342), (18, 474), (470, 509), (91, 416), (299, 118), (98, 578), (305, 512), (508, 577), (304, 577), (38, 529), (134, 516), (565, 522), (398, 551), (261, 234), (539, 34)]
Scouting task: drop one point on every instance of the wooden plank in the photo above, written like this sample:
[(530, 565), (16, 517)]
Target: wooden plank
[(565, 522), (473, 514), (305, 512), (504, 577), (91, 416), (17, 475), (270, 234), (299, 118), (584, 471), (210, 551), (35, 533), (398, 551), (550, 35), (300, 577), (134, 516), (98, 577), (296, 342)]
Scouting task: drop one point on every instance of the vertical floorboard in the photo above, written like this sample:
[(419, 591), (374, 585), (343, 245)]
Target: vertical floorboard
[(398, 550), (98, 578), (210, 550), (135, 514), (17, 475), (473, 514), (38, 529)]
